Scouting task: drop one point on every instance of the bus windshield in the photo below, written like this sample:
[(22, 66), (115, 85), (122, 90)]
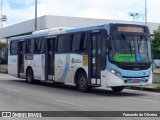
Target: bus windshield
[(132, 49)]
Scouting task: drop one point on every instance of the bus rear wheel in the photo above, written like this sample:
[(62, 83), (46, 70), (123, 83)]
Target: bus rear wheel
[(117, 88), (82, 83), (29, 76)]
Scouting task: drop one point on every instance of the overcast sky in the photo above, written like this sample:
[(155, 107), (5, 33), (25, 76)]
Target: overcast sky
[(21, 10)]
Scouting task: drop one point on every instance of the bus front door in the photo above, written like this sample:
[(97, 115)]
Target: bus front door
[(50, 55), (21, 48), (95, 61)]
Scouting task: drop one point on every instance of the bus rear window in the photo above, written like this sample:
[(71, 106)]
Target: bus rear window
[(14, 48)]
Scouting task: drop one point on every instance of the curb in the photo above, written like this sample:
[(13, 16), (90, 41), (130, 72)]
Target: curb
[(145, 89), (4, 72)]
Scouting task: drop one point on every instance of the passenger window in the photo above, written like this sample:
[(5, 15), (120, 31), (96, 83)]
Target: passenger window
[(14, 48), (79, 42), (42, 49), (60, 44), (39, 45), (64, 43), (30, 46)]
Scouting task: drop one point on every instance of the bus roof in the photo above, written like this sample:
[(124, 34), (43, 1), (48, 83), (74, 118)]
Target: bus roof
[(102, 26), (51, 29), (28, 36), (61, 30)]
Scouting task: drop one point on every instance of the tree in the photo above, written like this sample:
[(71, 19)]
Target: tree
[(2, 45), (156, 41)]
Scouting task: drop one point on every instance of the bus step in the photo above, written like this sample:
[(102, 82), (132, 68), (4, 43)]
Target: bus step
[(49, 81), (95, 85), (21, 77)]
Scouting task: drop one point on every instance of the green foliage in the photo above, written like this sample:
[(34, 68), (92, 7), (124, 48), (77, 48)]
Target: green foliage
[(156, 41), (2, 45), (3, 60), (157, 86)]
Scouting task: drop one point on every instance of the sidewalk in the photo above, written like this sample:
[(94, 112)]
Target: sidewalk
[(156, 70)]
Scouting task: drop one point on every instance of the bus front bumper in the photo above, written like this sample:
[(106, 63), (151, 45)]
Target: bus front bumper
[(108, 80)]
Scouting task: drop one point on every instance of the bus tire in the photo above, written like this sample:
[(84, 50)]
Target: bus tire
[(82, 83), (117, 88), (29, 76)]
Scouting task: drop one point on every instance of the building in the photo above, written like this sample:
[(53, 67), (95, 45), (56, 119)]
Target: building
[(50, 21)]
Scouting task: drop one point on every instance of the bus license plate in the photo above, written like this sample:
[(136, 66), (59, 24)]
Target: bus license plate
[(135, 80)]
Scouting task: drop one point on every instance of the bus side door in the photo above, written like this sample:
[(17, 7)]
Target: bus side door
[(21, 50), (50, 58), (97, 56)]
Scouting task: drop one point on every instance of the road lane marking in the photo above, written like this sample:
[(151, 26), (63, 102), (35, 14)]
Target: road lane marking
[(70, 103), (148, 100), (12, 90)]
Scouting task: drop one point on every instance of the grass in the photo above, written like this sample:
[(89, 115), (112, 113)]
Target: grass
[(3, 71), (157, 86)]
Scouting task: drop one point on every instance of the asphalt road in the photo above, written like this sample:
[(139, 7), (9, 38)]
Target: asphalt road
[(17, 95)]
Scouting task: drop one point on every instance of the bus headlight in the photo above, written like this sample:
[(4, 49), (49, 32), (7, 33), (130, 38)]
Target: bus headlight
[(115, 72)]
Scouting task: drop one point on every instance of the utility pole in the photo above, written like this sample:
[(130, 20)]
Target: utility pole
[(1, 13), (145, 12), (35, 15), (3, 18)]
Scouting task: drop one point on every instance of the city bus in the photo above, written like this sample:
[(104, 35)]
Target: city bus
[(113, 55)]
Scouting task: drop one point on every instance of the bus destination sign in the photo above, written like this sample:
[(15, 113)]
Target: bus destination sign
[(130, 29)]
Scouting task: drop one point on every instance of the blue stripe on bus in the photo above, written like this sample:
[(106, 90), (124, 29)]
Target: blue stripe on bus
[(66, 68), (65, 72)]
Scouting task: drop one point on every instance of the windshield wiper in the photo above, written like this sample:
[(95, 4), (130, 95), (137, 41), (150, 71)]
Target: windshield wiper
[(139, 42), (130, 47), (147, 49), (138, 45)]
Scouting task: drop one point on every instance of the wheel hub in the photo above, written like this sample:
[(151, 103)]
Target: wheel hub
[(82, 82)]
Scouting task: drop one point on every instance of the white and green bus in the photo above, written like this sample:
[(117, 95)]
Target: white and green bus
[(109, 55)]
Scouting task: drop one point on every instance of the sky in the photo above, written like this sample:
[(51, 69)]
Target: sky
[(22, 10)]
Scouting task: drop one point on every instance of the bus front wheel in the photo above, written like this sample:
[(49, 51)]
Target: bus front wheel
[(117, 88), (82, 83), (29, 76)]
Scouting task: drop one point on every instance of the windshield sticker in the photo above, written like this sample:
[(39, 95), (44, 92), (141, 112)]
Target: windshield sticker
[(124, 58), (85, 60), (139, 58)]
